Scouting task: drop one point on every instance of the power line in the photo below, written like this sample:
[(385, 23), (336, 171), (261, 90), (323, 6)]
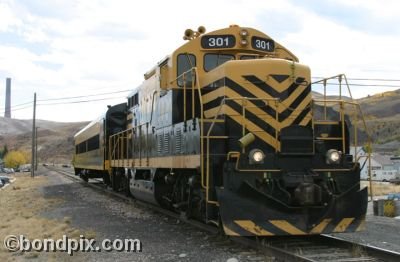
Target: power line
[(63, 103), (15, 107), (365, 79), (20, 104), (18, 109), (79, 102), (30, 103), (74, 97), (352, 84)]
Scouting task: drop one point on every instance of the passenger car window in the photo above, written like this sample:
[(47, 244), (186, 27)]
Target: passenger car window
[(211, 61)]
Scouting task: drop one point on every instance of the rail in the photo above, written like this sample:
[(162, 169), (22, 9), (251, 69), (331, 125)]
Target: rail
[(283, 248)]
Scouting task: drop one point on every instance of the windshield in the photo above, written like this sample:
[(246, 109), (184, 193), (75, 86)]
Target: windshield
[(211, 61)]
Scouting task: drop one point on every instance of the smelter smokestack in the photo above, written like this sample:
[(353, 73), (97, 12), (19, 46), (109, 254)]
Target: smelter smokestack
[(7, 112)]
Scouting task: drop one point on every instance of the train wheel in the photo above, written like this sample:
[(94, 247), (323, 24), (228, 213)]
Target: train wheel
[(220, 226), (83, 176), (115, 181), (117, 178), (125, 186), (106, 179)]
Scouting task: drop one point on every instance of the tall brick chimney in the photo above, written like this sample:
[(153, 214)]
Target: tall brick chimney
[(7, 112)]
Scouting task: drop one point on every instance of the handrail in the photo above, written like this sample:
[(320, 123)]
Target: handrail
[(339, 77), (204, 182), (232, 154), (360, 112)]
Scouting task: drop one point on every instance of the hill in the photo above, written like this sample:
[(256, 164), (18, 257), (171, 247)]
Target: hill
[(382, 112), (385, 104), (55, 139), (382, 115)]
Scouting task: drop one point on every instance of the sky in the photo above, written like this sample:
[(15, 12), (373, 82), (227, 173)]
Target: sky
[(81, 55)]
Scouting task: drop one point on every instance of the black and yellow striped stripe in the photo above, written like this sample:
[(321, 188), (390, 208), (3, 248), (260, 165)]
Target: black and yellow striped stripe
[(263, 117), (285, 227)]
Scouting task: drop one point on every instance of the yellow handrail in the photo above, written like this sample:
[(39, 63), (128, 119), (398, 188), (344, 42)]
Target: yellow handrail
[(358, 107)]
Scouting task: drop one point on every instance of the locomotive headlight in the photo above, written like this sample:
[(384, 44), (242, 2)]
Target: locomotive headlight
[(244, 33), (243, 42), (333, 156), (256, 156)]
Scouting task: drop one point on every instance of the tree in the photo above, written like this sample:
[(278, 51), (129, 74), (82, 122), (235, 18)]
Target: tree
[(14, 159), (4, 151), (27, 156)]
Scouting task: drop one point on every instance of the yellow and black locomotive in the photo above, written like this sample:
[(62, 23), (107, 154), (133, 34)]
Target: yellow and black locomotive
[(225, 130)]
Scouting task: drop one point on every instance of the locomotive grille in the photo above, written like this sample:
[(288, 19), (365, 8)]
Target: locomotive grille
[(178, 141), (159, 144), (166, 143)]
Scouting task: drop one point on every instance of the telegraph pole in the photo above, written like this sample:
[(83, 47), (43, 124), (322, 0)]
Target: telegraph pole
[(33, 137), (36, 148)]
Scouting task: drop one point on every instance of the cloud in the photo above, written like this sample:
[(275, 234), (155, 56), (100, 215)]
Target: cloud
[(369, 16), (60, 48), (8, 18), (58, 9)]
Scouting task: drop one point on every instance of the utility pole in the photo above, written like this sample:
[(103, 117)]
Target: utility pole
[(36, 148), (33, 137)]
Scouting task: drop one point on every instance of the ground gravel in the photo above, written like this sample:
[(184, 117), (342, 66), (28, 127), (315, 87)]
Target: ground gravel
[(162, 238), (99, 216)]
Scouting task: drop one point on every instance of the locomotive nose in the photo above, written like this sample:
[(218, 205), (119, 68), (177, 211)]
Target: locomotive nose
[(247, 212)]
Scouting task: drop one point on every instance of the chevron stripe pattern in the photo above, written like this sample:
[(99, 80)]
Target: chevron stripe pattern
[(263, 117), (285, 227)]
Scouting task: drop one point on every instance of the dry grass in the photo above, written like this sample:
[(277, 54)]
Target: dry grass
[(20, 205), (380, 189)]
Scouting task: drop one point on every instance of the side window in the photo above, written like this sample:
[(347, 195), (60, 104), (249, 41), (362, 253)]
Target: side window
[(185, 63), (211, 61), (94, 143), (133, 100), (130, 102), (82, 147)]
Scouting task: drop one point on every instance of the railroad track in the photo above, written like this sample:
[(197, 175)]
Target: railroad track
[(290, 248)]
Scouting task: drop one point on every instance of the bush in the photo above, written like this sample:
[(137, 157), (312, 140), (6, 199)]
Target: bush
[(15, 158)]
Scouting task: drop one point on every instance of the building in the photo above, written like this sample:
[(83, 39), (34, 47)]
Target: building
[(396, 162), (382, 167)]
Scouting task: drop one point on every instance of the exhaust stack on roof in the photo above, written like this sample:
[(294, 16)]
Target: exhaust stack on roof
[(7, 112)]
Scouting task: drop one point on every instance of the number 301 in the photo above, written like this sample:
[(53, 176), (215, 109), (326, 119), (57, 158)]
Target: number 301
[(262, 44), (218, 42)]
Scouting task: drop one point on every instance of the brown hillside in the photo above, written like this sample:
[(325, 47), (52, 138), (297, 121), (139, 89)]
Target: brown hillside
[(382, 115), (386, 104), (55, 139)]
